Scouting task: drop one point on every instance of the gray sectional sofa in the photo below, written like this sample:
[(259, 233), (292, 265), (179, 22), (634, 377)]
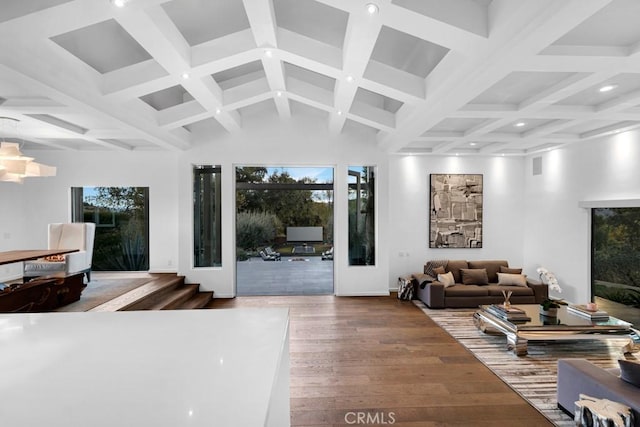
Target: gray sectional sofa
[(469, 292), (579, 376)]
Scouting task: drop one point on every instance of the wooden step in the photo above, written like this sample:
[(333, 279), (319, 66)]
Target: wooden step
[(144, 296), (175, 298), (199, 300)]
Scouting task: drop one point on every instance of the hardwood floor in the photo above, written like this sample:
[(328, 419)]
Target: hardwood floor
[(381, 361)]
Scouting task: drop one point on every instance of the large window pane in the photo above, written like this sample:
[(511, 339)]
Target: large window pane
[(362, 215), (207, 212), (121, 215), (615, 260)]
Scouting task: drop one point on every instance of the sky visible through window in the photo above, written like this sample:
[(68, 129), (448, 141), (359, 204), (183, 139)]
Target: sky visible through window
[(322, 175)]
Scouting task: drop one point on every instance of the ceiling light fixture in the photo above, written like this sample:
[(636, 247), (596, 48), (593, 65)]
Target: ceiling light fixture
[(349, 78), (339, 112), (218, 111), (268, 53), (372, 9), (279, 93), (473, 144), (520, 124), (15, 166), (119, 3), (607, 88), (185, 76)]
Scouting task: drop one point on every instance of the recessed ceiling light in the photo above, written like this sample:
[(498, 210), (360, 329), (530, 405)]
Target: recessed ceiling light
[(339, 112), (185, 76), (279, 93), (473, 144), (607, 88), (520, 124), (349, 78), (268, 53), (372, 9), (218, 111), (119, 3)]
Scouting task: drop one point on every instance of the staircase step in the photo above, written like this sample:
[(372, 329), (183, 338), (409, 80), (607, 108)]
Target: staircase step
[(175, 298), (199, 300), (144, 296)]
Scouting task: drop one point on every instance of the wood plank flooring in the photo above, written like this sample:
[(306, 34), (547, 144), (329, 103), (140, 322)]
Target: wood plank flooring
[(381, 361)]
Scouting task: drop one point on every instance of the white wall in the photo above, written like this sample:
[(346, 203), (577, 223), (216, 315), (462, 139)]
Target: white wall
[(528, 220), (558, 232), (27, 208), (263, 140), (503, 210), (302, 141)]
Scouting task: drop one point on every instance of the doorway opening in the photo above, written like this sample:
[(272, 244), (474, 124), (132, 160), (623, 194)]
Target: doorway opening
[(284, 230)]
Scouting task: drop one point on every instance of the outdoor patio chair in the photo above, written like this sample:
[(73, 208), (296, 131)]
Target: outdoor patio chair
[(271, 252), (266, 257)]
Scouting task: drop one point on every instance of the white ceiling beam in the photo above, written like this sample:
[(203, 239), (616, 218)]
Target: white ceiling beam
[(360, 38), (157, 34), (262, 18), (520, 29), (435, 30)]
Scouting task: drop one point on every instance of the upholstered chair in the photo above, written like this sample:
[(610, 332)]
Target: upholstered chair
[(76, 235)]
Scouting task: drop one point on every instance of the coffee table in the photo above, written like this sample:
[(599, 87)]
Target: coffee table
[(566, 326)]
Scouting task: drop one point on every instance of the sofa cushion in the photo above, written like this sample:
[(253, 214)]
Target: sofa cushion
[(630, 371), (507, 279), (518, 291), (446, 279), (454, 267), (492, 266), (474, 276), (459, 290), (510, 270)]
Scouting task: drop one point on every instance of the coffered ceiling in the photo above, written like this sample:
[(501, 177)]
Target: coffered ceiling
[(485, 77)]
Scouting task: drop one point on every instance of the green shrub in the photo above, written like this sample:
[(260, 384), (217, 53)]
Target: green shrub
[(254, 229)]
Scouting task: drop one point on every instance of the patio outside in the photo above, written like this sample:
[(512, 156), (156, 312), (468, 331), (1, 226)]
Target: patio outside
[(284, 231)]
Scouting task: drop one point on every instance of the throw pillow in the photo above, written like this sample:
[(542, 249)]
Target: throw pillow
[(508, 279), (446, 279), (439, 270), (54, 258), (630, 371), (474, 276), (510, 270)]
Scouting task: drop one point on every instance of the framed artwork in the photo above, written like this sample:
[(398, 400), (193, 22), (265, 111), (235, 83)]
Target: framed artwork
[(455, 211)]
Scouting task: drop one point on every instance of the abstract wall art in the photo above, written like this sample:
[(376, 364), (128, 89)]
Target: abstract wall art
[(455, 211)]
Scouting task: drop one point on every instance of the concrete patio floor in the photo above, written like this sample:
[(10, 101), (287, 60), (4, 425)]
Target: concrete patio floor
[(300, 275)]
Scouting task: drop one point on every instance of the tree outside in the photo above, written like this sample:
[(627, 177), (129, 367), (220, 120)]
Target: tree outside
[(616, 254), (121, 218), (276, 198)]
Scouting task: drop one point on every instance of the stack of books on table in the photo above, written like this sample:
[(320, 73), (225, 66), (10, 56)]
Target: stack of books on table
[(511, 314), (581, 310)]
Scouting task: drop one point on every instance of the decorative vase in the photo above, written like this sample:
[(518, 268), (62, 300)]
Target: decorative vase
[(506, 304), (550, 312)]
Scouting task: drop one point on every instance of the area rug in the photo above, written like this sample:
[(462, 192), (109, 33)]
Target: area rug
[(532, 376), (99, 291)]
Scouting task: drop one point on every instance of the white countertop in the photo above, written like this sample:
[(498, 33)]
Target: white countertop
[(142, 368)]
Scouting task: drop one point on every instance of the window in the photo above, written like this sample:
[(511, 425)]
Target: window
[(615, 259), (121, 215), (362, 225), (207, 213)]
